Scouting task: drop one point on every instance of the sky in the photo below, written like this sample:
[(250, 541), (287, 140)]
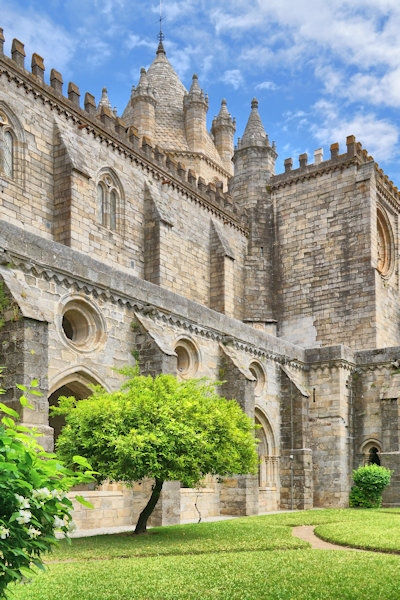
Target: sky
[(320, 70)]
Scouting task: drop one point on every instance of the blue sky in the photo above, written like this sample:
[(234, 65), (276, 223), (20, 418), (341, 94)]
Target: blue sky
[(320, 70)]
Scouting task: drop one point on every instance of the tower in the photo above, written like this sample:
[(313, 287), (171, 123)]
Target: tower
[(254, 161), (223, 129), (195, 107)]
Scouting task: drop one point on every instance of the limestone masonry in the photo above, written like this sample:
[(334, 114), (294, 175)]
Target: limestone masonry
[(147, 238)]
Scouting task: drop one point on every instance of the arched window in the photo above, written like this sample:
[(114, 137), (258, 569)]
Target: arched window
[(108, 202), (8, 154), (12, 146)]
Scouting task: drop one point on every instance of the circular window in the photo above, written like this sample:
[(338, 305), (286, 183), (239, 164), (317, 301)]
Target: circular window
[(187, 358), (82, 325), (258, 372), (385, 245)]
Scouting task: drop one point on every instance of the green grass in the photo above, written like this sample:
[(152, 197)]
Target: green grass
[(244, 559)]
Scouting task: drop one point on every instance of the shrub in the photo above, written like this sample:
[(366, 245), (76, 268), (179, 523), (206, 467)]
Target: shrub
[(33, 502), (370, 481)]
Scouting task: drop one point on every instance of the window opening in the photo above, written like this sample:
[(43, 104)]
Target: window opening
[(8, 154)]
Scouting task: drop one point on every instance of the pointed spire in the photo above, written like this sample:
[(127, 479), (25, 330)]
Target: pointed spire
[(223, 129), (254, 134), (160, 49), (104, 101), (196, 94), (224, 117)]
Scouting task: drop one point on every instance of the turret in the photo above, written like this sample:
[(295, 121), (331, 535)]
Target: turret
[(195, 107), (143, 102), (223, 129), (254, 161)]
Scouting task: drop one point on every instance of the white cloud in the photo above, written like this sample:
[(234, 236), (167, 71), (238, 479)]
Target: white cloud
[(378, 135), (41, 35), (233, 77), (267, 85)]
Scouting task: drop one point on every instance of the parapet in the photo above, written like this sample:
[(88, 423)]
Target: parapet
[(355, 154), (102, 121)]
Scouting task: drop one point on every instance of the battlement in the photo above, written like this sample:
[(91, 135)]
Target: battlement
[(102, 121), (355, 153)]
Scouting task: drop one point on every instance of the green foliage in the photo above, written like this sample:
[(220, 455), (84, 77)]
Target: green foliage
[(370, 481), (161, 428), (33, 502)]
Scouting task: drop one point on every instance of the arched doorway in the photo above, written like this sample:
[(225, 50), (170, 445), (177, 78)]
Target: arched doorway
[(79, 384)]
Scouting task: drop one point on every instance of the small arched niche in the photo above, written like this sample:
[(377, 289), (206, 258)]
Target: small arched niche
[(370, 452)]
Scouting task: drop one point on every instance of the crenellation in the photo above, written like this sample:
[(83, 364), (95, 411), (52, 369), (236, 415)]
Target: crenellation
[(90, 104), (18, 53), (56, 81), (37, 66), (73, 93), (303, 160)]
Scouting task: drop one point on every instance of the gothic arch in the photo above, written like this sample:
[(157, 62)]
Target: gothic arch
[(77, 383), (12, 146), (385, 243), (110, 200), (268, 474), (370, 450)]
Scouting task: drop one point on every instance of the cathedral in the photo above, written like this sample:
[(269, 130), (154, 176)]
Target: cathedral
[(148, 239)]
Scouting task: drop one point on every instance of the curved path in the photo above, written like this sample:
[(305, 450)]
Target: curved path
[(306, 533)]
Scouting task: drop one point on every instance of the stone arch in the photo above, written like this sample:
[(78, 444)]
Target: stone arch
[(78, 383), (370, 450), (110, 200), (12, 140), (385, 243), (268, 475)]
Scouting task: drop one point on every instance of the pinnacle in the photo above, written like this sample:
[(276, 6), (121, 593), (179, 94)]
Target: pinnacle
[(254, 134)]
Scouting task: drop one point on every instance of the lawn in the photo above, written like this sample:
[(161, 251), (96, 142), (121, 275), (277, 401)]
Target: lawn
[(243, 559)]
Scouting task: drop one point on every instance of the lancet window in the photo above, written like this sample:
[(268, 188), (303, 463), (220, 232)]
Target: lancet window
[(12, 146), (108, 202)]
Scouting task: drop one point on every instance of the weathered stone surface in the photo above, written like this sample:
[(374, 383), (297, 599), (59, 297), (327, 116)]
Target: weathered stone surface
[(136, 240)]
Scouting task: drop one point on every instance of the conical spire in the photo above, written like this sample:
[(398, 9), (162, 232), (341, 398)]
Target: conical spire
[(223, 129), (143, 88), (254, 133), (196, 94), (104, 101)]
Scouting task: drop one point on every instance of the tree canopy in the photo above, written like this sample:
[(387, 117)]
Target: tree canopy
[(161, 428)]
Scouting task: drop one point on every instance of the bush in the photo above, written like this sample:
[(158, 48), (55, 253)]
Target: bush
[(370, 481), (33, 502)]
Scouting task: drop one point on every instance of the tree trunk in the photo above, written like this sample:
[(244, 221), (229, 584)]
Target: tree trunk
[(150, 506)]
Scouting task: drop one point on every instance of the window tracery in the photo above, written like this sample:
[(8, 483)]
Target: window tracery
[(11, 146), (108, 202)]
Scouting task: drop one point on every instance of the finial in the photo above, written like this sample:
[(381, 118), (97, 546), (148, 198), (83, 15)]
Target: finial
[(254, 103), (160, 49)]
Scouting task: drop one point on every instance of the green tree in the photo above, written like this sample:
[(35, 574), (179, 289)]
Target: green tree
[(160, 428)]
